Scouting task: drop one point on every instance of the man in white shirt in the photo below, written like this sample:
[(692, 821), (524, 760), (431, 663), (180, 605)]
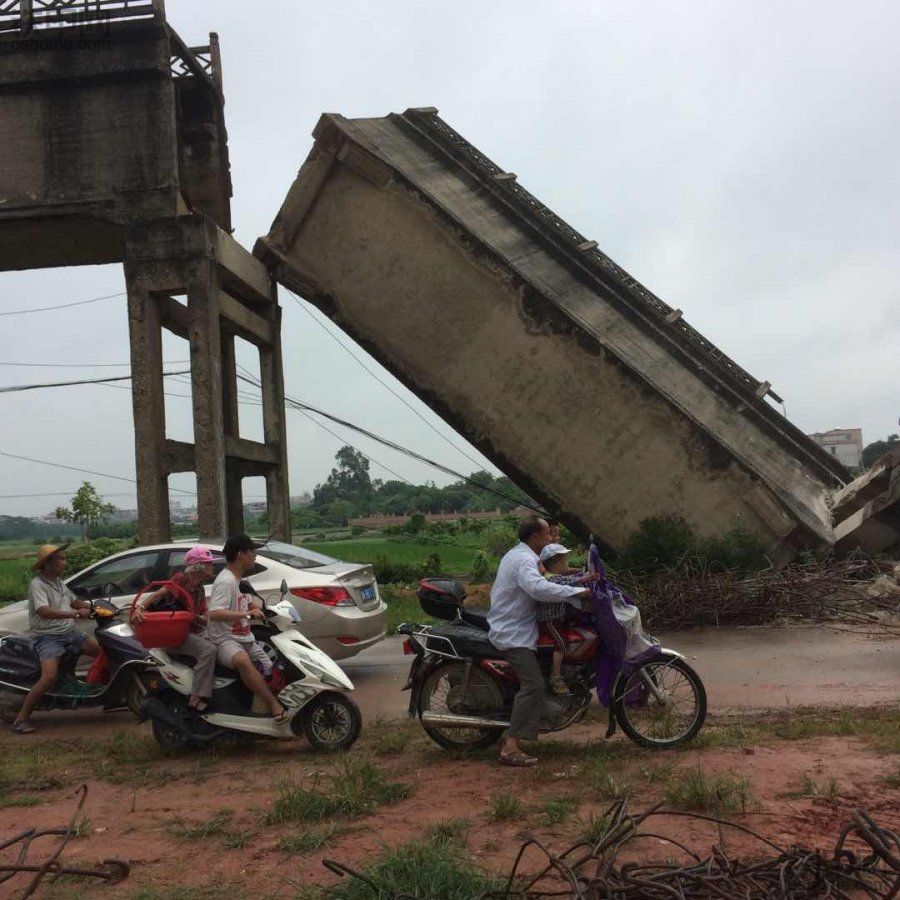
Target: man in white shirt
[(230, 614), (517, 589)]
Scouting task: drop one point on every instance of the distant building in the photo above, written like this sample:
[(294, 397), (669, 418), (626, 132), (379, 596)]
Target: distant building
[(844, 443)]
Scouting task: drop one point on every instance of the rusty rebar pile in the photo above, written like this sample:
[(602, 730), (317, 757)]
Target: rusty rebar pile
[(112, 871), (865, 862), (833, 591)]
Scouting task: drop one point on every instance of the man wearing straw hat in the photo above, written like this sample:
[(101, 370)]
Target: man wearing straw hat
[(52, 609)]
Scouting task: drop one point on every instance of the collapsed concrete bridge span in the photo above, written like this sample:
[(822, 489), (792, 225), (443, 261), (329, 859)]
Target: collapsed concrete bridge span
[(588, 390)]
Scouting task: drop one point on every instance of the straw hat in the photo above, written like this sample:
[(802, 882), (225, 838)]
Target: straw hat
[(45, 552)]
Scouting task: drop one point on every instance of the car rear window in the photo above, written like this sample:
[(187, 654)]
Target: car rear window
[(296, 557)]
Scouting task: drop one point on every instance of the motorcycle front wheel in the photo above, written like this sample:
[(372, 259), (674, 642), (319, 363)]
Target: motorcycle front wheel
[(661, 705), (443, 693), (331, 722)]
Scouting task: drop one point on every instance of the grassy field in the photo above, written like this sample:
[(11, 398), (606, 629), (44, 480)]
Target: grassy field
[(14, 577), (455, 560)]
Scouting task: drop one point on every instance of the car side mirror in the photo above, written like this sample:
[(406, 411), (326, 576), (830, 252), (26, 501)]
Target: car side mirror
[(109, 590), (283, 588)]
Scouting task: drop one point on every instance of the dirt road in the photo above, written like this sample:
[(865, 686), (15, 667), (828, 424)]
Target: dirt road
[(747, 669)]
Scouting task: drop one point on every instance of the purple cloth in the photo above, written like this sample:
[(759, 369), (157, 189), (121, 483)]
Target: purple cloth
[(610, 657)]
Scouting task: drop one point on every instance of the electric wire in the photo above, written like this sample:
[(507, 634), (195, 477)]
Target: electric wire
[(44, 462), (41, 365), (27, 312), (384, 384), (18, 388), (307, 408)]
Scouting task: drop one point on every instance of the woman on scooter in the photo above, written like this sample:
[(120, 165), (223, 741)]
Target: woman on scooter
[(198, 570)]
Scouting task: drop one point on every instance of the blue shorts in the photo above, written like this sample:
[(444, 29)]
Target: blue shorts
[(53, 646)]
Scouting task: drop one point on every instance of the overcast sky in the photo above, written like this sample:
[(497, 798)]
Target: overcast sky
[(740, 159)]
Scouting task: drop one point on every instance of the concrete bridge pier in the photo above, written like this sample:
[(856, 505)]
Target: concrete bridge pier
[(190, 277)]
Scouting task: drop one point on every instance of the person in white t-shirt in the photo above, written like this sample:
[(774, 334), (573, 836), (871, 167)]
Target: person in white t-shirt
[(230, 614)]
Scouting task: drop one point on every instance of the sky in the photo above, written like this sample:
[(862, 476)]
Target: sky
[(740, 159)]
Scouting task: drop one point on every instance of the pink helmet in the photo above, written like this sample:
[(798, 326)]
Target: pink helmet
[(198, 556)]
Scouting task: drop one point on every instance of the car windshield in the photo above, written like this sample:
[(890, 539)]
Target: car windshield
[(296, 557)]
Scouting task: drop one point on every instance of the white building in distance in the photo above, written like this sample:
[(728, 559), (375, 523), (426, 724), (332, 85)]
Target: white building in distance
[(844, 443)]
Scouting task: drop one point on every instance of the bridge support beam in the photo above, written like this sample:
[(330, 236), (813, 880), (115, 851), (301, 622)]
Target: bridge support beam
[(222, 292)]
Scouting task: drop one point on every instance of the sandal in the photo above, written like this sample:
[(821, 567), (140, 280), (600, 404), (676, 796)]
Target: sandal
[(282, 717), (22, 728), (559, 687), (200, 707), (518, 760)]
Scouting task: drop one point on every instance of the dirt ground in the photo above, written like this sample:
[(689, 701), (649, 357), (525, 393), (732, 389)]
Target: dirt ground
[(199, 825)]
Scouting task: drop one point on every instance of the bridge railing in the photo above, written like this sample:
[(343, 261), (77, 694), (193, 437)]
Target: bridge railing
[(26, 16)]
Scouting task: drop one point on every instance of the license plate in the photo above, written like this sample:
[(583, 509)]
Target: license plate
[(368, 593)]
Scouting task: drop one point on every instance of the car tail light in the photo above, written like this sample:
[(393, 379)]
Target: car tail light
[(327, 596), (407, 648), (347, 639)]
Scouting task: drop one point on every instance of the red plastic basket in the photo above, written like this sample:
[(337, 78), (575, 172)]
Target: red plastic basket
[(165, 630)]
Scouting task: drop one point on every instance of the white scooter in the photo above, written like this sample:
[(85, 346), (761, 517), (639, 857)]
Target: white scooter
[(314, 693)]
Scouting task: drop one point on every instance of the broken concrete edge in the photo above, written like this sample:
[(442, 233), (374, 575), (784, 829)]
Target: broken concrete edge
[(866, 487), (875, 527)]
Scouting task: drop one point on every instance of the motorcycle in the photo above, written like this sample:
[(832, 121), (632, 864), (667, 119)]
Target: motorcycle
[(308, 684), (462, 689), (117, 679)]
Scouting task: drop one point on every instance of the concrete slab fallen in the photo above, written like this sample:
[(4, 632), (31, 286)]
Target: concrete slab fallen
[(594, 395)]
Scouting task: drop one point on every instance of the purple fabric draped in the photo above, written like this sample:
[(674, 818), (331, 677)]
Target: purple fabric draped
[(610, 657)]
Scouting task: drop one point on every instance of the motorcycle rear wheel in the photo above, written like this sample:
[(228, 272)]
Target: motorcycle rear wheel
[(169, 739), (331, 722), (666, 725), (440, 693), (134, 696)]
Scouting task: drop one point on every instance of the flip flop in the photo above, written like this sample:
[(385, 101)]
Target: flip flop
[(517, 760), (199, 708), (22, 728), (282, 717)]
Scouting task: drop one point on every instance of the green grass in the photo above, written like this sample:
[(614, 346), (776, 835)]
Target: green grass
[(311, 840), (593, 828), (217, 825), (354, 788), (558, 809), (14, 577), (816, 790), (430, 869), (455, 559), (449, 831), (692, 789), (505, 807)]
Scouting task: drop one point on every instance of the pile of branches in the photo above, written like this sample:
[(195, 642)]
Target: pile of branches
[(832, 591), (865, 862)]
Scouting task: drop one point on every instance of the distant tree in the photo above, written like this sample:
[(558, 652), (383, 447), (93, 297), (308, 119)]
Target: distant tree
[(87, 509), (874, 451)]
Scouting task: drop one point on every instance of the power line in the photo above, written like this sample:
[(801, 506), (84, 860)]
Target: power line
[(174, 362), (383, 383), (34, 387), (44, 462), (27, 312), (68, 493), (306, 408)]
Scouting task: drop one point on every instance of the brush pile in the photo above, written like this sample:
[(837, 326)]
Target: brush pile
[(865, 862), (837, 592)]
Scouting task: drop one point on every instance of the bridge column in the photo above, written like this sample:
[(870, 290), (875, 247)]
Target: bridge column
[(229, 294)]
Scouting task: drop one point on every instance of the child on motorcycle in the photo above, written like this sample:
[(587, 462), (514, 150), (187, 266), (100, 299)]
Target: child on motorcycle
[(555, 559), (198, 569)]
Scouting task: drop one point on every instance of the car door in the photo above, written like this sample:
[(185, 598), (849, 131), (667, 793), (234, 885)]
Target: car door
[(126, 574)]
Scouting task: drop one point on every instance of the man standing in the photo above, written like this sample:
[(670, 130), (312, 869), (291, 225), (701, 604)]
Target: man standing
[(512, 618), (230, 614), (52, 607)]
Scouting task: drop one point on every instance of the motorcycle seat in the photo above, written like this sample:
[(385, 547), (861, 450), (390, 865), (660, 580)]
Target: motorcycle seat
[(220, 671), (477, 618), (466, 640)]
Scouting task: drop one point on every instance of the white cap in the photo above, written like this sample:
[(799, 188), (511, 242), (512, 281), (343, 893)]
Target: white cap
[(552, 550)]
